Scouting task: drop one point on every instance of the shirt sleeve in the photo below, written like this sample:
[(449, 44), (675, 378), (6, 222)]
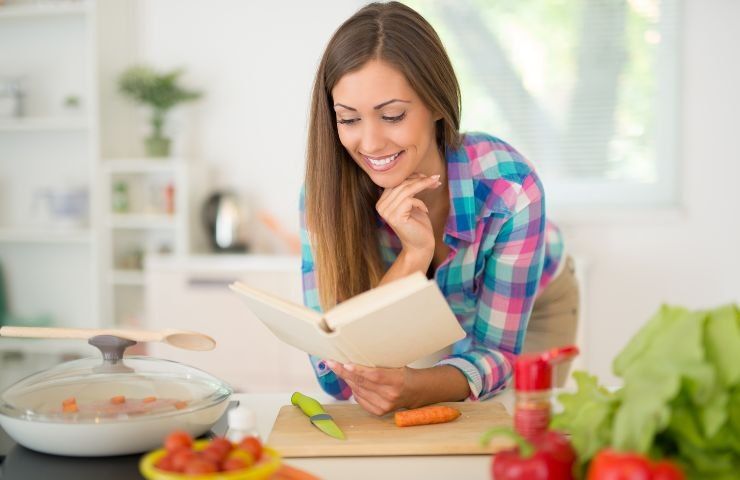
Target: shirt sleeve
[(506, 294), (328, 380)]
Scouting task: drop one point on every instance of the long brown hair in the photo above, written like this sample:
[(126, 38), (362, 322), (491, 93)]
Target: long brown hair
[(340, 197)]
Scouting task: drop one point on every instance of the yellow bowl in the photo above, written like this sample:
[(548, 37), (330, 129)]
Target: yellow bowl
[(263, 470)]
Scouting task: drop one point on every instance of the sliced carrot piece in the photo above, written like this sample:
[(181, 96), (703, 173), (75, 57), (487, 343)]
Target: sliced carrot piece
[(181, 404), (426, 415), (149, 399), (70, 408), (69, 401), (118, 400)]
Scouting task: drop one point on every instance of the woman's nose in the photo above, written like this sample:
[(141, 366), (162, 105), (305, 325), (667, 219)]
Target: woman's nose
[(372, 140)]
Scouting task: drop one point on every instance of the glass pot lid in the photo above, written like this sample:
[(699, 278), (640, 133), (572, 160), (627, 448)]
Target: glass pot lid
[(116, 389)]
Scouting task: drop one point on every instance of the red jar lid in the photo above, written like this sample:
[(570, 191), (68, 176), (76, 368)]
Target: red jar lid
[(534, 371)]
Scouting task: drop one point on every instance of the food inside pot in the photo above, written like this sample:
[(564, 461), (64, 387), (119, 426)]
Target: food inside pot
[(109, 397)]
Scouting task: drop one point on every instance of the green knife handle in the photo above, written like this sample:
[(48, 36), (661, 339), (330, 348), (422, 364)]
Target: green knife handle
[(308, 405)]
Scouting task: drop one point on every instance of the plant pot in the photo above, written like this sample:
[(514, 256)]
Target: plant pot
[(157, 146)]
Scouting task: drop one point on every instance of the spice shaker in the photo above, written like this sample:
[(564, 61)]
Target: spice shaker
[(533, 389)]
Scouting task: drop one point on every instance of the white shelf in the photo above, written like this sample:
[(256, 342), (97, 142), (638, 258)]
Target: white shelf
[(71, 236), (127, 277), (142, 165), (43, 9), (41, 124), (142, 221)]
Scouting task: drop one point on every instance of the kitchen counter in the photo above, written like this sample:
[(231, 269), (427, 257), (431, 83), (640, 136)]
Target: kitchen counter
[(22, 464)]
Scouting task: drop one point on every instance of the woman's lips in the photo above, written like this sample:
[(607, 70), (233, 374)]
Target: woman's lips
[(382, 164)]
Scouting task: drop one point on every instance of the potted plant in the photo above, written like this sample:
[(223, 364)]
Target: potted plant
[(161, 92)]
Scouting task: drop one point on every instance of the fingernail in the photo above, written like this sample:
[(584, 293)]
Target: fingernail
[(436, 177), (349, 366), (331, 364)]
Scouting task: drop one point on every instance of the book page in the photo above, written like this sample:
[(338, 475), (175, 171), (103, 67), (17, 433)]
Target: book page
[(295, 325), (374, 299), (395, 334)]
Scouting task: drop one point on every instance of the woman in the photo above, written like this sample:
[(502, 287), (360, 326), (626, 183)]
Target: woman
[(392, 187)]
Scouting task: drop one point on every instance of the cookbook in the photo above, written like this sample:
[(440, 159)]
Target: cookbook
[(389, 326)]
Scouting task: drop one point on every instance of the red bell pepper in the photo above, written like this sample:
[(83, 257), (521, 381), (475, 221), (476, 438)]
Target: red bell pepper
[(546, 456), (611, 465)]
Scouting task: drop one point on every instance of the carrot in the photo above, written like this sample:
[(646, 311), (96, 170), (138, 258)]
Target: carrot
[(70, 408), (118, 399), (181, 404), (69, 401), (426, 416), (286, 472), (149, 399)]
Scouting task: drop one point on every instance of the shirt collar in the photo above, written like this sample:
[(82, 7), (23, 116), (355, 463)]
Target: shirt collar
[(461, 220)]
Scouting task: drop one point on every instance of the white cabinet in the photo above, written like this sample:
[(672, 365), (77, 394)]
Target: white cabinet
[(65, 55), (192, 293), (48, 161), (146, 211)]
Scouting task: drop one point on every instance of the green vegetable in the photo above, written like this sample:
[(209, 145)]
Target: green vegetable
[(680, 397)]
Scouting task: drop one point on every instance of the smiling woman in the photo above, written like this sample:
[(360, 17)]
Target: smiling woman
[(392, 187)]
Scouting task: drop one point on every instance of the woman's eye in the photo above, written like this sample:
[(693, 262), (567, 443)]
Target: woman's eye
[(348, 121), (395, 119)]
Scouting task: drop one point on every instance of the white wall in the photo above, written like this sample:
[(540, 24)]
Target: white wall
[(256, 62)]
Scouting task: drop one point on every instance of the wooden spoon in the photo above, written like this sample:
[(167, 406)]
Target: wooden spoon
[(177, 338)]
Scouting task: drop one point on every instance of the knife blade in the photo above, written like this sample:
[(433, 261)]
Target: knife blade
[(316, 413)]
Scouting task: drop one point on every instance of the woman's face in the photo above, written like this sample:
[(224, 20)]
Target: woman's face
[(384, 125)]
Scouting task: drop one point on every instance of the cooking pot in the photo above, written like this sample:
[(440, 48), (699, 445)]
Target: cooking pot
[(122, 405)]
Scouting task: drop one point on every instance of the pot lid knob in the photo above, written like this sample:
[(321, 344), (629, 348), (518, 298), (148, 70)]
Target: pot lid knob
[(111, 347)]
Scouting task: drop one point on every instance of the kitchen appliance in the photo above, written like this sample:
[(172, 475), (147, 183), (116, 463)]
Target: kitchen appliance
[(223, 219), (115, 407), (368, 435)]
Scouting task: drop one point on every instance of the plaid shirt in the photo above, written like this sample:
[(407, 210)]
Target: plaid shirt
[(503, 252)]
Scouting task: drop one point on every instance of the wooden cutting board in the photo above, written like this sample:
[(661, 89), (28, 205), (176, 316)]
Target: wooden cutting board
[(293, 435)]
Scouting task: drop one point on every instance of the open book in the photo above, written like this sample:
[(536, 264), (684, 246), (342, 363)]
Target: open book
[(389, 326)]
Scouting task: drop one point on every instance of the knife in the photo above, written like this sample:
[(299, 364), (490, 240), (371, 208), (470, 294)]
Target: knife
[(316, 413)]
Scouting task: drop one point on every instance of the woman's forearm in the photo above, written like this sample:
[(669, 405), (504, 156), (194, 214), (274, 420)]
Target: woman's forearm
[(443, 383), (407, 263)]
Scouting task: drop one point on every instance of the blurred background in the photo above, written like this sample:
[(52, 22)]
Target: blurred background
[(151, 152)]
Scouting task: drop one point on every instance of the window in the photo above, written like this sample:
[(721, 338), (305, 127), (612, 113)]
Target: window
[(585, 89)]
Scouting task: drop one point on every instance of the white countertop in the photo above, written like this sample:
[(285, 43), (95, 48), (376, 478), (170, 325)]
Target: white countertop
[(441, 467)]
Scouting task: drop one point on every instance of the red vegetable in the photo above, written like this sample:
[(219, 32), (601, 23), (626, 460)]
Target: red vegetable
[(611, 465), (253, 446), (200, 465), (177, 440), (545, 456)]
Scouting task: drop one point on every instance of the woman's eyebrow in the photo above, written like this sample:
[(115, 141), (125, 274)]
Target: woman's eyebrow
[(376, 107)]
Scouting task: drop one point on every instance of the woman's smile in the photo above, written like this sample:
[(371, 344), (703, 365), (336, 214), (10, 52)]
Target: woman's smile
[(384, 163)]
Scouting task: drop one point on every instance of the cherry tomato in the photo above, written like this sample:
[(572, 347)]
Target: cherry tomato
[(181, 457), (214, 454), (233, 464), (253, 446), (199, 465), (166, 463), (177, 440), (222, 444)]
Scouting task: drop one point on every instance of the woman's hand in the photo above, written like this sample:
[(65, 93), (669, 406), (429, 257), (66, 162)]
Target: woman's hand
[(408, 216), (377, 390)]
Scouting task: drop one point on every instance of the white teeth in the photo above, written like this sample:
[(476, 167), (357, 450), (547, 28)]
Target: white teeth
[(383, 161)]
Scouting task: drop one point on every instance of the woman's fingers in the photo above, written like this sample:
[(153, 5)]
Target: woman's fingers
[(406, 210), (408, 188)]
